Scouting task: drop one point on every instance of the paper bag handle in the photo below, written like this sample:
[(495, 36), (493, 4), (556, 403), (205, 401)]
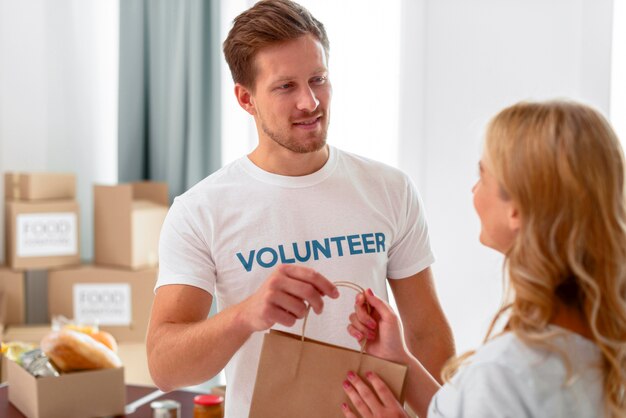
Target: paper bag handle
[(349, 285)]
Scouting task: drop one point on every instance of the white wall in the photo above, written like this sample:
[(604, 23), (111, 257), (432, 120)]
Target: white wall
[(444, 70), (58, 106), (459, 63), (467, 60), (618, 69), (363, 68)]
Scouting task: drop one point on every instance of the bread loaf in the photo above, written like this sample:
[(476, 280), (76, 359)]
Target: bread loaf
[(72, 350), (105, 338)]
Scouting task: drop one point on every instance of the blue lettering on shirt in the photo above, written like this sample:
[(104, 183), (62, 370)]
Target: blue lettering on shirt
[(267, 257)]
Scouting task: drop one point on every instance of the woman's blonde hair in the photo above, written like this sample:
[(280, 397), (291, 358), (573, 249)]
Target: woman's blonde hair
[(563, 167)]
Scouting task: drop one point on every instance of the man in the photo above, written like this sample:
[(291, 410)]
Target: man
[(269, 233)]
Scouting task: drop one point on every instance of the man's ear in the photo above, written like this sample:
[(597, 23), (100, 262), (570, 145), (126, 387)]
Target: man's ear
[(515, 220), (245, 99)]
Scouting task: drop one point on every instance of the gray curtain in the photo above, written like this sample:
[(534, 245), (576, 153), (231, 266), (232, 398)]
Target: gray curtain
[(169, 104)]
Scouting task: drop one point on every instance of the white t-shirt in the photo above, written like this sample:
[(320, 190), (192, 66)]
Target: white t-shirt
[(507, 378), (355, 219)]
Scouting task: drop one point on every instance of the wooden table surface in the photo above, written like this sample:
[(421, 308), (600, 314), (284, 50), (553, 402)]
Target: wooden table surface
[(133, 393)]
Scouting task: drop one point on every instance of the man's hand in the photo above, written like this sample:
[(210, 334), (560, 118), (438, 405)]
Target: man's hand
[(283, 297)]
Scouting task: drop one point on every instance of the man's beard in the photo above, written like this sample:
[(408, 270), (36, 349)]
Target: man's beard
[(312, 143)]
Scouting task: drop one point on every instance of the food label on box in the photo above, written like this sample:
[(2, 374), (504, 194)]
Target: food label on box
[(103, 303), (46, 234)]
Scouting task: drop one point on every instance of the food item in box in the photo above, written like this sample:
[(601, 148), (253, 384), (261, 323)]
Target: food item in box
[(37, 363), (72, 350), (61, 322), (14, 349), (105, 338)]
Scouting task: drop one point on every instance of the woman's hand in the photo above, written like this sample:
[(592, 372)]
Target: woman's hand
[(381, 328), (379, 403)]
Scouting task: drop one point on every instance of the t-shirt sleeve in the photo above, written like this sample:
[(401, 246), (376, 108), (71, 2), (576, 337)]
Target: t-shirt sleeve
[(410, 251), (485, 390), (184, 255)]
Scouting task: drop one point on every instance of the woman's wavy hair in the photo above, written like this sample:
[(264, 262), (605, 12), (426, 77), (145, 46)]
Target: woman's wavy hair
[(563, 167)]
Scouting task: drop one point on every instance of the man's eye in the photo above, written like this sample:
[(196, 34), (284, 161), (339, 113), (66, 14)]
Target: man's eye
[(284, 86), (319, 80)]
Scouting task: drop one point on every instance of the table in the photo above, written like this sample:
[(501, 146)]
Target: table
[(133, 393)]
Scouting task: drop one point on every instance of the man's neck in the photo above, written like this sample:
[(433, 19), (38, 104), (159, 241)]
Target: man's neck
[(288, 163)]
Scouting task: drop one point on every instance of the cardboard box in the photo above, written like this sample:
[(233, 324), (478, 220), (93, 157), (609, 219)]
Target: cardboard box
[(42, 235), (133, 354), (83, 394), (127, 223), (26, 333), (11, 297), (39, 186), (135, 360), (120, 299)]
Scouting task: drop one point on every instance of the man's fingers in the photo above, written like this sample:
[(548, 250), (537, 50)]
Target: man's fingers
[(304, 291), (280, 316), (305, 274), (289, 303)]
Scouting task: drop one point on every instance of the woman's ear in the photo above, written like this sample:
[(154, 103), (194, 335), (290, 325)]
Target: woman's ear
[(514, 218), (245, 99)]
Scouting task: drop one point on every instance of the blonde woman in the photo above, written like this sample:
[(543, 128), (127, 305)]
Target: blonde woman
[(550, 198)]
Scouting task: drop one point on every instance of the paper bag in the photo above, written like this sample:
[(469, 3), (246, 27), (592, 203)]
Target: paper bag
[(303, 378)]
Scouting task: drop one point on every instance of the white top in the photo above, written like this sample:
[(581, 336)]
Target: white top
[(355, 219), (507, 378)]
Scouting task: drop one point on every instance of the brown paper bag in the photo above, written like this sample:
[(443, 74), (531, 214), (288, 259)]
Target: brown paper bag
[(301, 378)]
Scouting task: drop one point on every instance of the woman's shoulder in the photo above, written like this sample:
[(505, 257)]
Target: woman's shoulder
[(508, 350), (507, 371)]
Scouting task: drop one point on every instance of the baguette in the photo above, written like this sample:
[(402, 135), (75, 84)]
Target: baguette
[(73, 350)]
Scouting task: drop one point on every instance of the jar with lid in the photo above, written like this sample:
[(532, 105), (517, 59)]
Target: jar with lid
[(208, 406), (165, 408)]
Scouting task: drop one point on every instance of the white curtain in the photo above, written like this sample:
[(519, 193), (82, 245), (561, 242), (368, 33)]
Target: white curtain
[(58, 106)]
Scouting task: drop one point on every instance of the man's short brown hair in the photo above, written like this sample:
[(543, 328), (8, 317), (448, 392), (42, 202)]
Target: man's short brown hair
[(266, 23)]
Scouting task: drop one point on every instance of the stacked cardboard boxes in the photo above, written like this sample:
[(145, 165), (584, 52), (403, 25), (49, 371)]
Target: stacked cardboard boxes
[(11, 297), (11, 304), (42, 220), (41, 231), (116, 292), (127, 223)]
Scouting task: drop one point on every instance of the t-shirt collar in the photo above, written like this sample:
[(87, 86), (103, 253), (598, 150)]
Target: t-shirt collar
[(292, 181)]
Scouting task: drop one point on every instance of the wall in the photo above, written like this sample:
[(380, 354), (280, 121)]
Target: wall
[(460, 62), (618, 69), (463, 61), (363, 66), (58, 107)]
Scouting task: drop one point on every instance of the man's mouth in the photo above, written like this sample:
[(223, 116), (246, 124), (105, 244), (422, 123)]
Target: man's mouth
[(308, 122)]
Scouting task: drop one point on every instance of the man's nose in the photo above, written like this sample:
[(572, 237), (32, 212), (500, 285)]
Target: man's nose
[(307, 100)]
